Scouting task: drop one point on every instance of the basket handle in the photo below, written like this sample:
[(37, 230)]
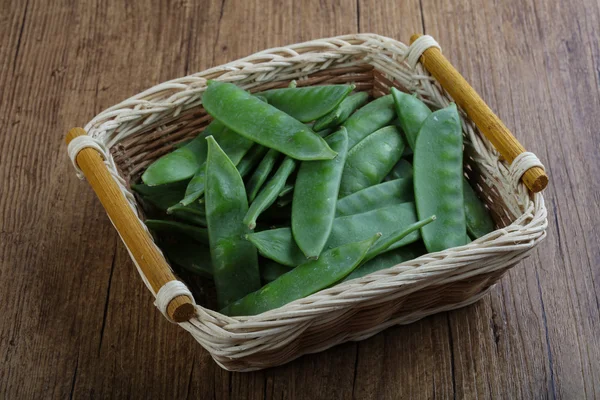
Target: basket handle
[(489, 124), (137, 239)]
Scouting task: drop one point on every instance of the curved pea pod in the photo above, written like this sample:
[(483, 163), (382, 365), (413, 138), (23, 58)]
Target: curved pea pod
[(371, 160), (189, 255), (279, 245), (402, 169), (193, 214), (438, 179), (315, 194), (388, 260), (163, 196), (251, 159), (194, 232), (182, 163), (307, 103), (304, 280), (269, 194), (412, 112), (479, 222), (234, 145), (376, 196), (288, 189), (261, 173), (234, 260), (270, 270), (369, 118), (284, 201), (263, 123), (341, 113)]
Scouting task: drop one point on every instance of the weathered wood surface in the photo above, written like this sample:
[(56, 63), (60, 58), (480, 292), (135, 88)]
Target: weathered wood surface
[(78, 322)]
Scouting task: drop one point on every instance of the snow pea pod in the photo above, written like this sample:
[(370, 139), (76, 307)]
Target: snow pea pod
[(369, 118), (234, 145), (263, 123), (315, 194), (411, 114), (189, 255), (307, 103), (279, 245), (340, 114), (252, 157), (261, 173), (194, 232), (284, 201), (479, 222), (402, 169), (269, 194), (270, 270), (304, 280), (287, 189), (234, 260), (438, 179), (376, 196), (371, 160), (193, 214), (163, 196), (388, 260), (182, 163)]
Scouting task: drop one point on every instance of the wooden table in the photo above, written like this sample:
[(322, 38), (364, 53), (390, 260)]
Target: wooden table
[(76, 320)]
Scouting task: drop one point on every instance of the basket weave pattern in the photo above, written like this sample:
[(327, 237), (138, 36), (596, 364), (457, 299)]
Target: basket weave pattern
[(148, 125)]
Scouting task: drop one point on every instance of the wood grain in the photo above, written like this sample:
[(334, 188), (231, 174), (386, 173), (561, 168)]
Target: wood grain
[(77, 322)]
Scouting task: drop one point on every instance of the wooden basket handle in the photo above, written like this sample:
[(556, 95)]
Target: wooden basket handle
[(134, 235), (478, 111)]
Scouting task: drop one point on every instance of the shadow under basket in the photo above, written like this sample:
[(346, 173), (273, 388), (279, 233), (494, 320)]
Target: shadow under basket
[(134, 133)]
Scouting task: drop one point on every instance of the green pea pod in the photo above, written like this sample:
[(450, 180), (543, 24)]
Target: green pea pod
[(315, 194), (304, 280), (340, 114), (376, 196), (388, 260), (163, 196), (284, 201), (479, 222), (412, 112), (269, 194), (371, 160), (402, 169), (270, 270), (252, 157), (261, 173), (234, 260), (279, 245), (307, 103), (263, 123), (194, 232), (369, 118), (189, 255), (287, 190), (193, 214), (234, 145), (438, 179), (183, 163)]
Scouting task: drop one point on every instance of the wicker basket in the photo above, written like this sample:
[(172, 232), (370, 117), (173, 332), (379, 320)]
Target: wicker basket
[(132, 134)]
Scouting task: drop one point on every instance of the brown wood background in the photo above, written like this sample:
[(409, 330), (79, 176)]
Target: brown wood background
[(76, 320)]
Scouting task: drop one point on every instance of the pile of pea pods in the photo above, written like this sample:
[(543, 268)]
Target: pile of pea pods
[(290, 191)]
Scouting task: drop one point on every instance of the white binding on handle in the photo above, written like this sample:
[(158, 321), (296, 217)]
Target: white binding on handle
[(168, 292), (417, 48), (521, 164)]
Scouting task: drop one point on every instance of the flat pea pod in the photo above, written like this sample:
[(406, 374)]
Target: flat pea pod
[(234, 145), (287, 190), (388, 260), (479, 222), (279, 245), (284, 201), (263, 123), (307, 103), (163, 196), (412, 112), (304, 280), (270, 270), (252, 157), (189, 255), (376, 196), (193, 214), (402, 169), (261, 173), (162, 226), (234, 260), (438, 179), (315, 195), (340, 114), (182, 163), (268, 195), (371, 160), (369, 118)]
